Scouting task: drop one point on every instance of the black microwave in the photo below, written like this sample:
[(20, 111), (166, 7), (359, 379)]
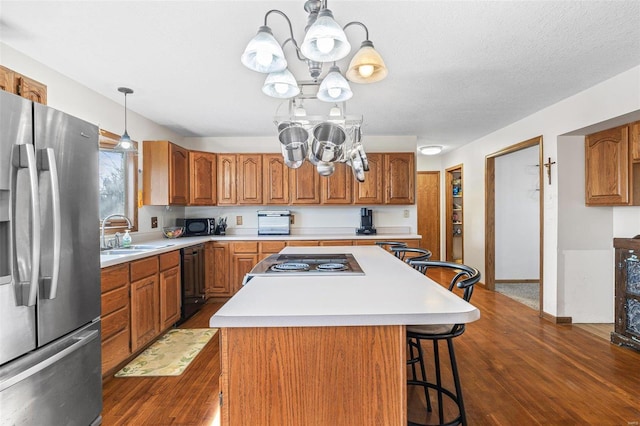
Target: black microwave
[(197, 226)]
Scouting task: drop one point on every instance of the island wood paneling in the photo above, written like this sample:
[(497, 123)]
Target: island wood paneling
[(313, 375)]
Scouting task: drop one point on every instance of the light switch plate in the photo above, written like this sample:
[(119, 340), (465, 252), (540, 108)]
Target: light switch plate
[(154, 222)]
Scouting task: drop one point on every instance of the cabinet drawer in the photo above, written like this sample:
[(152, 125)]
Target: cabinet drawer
[(115, 350), (271, 246), (114, 300), (114, 277), (115, 322), (336, 243), (245, 247), (169, 260), (144, 268), (301, 243)]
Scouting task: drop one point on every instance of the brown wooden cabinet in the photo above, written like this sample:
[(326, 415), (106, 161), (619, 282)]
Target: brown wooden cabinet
[(243, 258), (371, 190), (220, 270), (275, 179), (227, 185), (202, 182), (627, 293), (170, 288), (336, 189), (165, 174), (114, 282), (612, 166), (267, 248), (249, 178), (399, 178), (21, 85), (145, 309), (304, 183)]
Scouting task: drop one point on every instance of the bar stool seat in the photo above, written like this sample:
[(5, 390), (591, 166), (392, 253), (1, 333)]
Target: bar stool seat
[(465, 277), (409, 254)]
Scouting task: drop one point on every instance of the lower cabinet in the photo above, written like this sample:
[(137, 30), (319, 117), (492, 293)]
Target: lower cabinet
[(243, 259), (170, 287), (145, 306), (115, 316)]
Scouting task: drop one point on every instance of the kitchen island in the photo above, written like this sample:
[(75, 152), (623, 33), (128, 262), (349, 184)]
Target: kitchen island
[(319, 350)]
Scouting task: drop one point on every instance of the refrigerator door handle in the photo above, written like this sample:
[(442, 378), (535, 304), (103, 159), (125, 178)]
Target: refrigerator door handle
[(23, 157), (76, 343), (47, 162)]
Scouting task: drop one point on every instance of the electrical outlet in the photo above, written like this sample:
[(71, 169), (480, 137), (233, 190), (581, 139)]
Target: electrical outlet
[(238, 220), (292, 219), (154, 222), (406, 213)]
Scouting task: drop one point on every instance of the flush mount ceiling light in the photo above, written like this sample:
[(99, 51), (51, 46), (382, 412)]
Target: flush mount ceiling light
[(125, 144), (324, 41), (430, 149)]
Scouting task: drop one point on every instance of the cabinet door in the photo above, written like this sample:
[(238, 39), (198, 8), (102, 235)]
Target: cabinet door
[(7, 80), (249, 169), (114, 282), (227, 179), (634, 141), (275, 179), (370, 191), (31, 89), (221, 270), (607, 167), (202, 168), (145, 312), (305, 184), (169, 297), (178, 175), (400, 174), (336, 189), (242, 265)]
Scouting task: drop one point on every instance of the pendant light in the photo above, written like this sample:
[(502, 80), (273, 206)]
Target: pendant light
[(125, 144), (334, 87)]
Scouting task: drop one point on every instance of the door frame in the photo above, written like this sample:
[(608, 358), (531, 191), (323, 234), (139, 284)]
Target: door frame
[(490, 212)]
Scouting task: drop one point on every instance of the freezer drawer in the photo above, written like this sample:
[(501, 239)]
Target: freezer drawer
[(59, 384)]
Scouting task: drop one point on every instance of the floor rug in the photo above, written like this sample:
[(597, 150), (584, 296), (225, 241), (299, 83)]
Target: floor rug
[(526, 293), (170, 355)]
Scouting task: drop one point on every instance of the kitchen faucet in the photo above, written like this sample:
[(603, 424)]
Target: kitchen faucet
[(103, 243)]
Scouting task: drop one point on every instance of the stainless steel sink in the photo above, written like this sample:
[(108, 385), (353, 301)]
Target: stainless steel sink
[(150, 246), (134, 249), (119, 252)]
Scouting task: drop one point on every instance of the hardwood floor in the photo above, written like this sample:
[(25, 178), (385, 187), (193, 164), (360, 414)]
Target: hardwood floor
[(515, 368)]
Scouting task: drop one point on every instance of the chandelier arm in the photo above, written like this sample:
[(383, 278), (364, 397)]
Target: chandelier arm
[(366, 30), (295, 44), (293, 39)]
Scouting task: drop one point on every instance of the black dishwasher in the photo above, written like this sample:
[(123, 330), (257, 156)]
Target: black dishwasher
[(193, 283)]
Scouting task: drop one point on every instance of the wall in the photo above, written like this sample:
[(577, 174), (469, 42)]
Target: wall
[(73, 98), (612, 98), (517, 215)]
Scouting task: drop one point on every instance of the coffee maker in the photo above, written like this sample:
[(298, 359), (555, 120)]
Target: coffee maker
[(366, 222)]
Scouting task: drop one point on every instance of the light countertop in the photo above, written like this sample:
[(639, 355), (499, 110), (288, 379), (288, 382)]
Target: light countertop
[(166, 245), (390, 293)]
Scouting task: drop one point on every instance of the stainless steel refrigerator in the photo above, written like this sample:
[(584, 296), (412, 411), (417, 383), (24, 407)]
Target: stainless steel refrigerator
[(50, 370)]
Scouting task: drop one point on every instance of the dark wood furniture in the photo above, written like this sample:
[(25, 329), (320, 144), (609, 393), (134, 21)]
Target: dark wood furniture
[(627, 305)]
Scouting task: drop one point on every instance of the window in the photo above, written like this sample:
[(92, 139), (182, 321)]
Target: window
[(118, 183)]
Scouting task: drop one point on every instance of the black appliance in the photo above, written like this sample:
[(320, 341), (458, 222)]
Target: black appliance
[(193, 282), (366, 222), (197, 226)]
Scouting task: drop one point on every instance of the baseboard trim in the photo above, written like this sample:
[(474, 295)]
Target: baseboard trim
[(556, 320), (520, 281)]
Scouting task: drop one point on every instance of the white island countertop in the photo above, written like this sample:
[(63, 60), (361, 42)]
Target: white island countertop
[(389, 293)]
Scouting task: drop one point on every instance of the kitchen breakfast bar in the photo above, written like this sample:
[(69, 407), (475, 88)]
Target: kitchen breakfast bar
[(327, 349)]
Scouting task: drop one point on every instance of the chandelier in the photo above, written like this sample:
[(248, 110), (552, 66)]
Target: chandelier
[(336, 137)]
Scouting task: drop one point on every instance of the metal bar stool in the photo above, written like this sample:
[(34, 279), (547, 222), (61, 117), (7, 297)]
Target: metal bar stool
[(388, 244), (408, 254), (464, 279)]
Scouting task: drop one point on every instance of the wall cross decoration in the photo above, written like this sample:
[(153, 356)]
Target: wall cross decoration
[(548, 165)]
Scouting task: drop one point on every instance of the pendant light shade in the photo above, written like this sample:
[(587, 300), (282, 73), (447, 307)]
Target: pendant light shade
[(281, 84), (263, 53), (125, 144), (325, 41), (367, 65), (334, 87)]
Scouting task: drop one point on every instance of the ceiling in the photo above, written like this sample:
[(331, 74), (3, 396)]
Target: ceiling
[(458, 70)]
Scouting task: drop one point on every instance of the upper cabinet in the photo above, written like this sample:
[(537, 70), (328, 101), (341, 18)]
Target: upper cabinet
[(304, 183), (227, 194), (21, 85), (399, 178), (612, 166), (275, 179), (336, 189), (371, 190), (165, 173), (249, 178), (202, 182)]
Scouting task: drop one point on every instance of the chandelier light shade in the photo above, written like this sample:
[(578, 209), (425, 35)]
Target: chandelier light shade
[(263, 53), (281, 84), (334, 87), (325, 41), (125, 144), (367, 65)]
